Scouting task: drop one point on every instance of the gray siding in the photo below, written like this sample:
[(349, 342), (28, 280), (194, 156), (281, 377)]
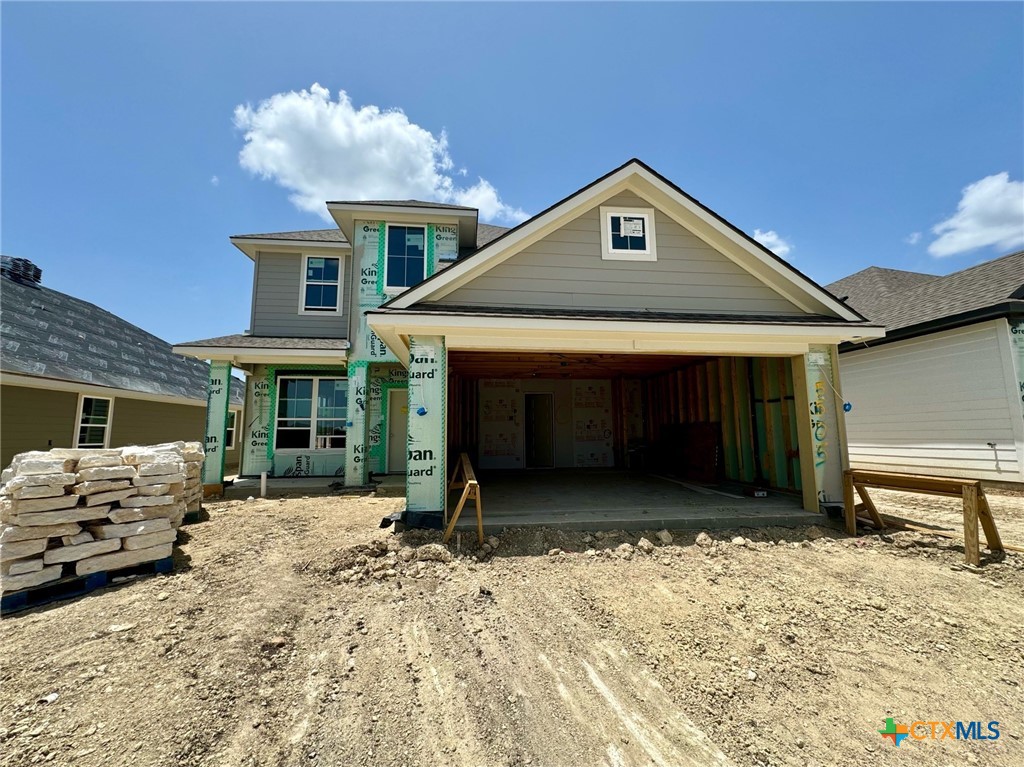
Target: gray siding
[(565, 269), (276, 288), (35, 419)]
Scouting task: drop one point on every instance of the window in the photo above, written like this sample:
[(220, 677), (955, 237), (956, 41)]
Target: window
[(627, 234), (311, 413), (405, 257), (229, 432), (321, 285), (93, 422)]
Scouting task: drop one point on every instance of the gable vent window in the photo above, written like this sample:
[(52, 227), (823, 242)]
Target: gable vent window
[(321, 285), (627, 234), (406, 258)]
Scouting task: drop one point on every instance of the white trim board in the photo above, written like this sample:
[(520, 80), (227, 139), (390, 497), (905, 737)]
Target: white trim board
[(243, 355), (482, 333), (638, 179)]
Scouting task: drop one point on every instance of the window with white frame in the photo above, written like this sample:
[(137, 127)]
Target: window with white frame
[(405, 257), (321, 285), (93, 422), (311, 413), (627, 234), (229, 432)]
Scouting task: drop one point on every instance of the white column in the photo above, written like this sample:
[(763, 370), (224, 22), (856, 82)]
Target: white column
[(828, 450), (355, 428), (428, 424), (218, 396)]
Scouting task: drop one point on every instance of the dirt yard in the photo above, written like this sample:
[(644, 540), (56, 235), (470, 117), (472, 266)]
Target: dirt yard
[(295, 632)]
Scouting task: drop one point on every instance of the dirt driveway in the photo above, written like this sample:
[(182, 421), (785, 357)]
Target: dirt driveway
[(295, 632)]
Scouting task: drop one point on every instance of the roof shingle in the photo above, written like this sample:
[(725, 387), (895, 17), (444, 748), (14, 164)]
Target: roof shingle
[(50, 334), (900, 299)]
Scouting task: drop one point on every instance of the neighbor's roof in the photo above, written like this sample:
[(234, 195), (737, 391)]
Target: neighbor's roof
[(241, 340), (900, 299), (48, 334)]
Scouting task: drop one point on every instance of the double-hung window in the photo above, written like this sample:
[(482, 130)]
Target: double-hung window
[(231, 430), (627, 234), (93, 422), (321, 285), (405, 257), (311, 413)]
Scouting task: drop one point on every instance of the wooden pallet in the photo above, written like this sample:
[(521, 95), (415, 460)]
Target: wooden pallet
[(77, 585)]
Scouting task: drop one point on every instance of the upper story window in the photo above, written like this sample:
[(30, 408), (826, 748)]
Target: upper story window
[(627, 234), (321, 285), (405, 259)]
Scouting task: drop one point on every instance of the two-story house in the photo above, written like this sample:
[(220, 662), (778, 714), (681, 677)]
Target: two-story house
[(625, 324)]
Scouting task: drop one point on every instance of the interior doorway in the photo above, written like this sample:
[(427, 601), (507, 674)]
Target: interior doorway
[(540, 430), (398, 430)]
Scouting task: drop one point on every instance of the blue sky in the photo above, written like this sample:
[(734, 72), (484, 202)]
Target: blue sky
[(847, 131)]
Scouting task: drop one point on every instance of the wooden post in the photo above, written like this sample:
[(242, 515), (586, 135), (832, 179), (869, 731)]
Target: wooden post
[(971, 553), (849, 504)]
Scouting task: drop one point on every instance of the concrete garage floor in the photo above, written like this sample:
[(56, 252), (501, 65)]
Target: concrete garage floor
[(609, 499)]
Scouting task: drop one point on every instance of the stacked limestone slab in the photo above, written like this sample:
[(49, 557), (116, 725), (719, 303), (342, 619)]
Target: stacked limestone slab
[(73, 512)]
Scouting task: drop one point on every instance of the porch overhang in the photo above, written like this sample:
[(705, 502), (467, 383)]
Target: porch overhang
[(726, 336), (254, 350)]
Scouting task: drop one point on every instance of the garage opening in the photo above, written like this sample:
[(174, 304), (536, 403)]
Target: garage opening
[(626, 431)]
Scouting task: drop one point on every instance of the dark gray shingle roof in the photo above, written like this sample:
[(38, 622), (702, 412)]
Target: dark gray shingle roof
[(903, 299), (49, 334), (267, 342), (303, 235), (486, 232), (401, 204)]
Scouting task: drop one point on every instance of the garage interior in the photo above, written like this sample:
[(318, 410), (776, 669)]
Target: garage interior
[(627, 440)]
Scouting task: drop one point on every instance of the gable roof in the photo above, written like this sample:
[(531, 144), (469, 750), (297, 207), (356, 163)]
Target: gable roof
[(48, 334), (673, 201), (905, 300)]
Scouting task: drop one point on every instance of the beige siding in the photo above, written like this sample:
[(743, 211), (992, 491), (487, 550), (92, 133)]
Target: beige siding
[(565, 269), (139, 422), (38, 419), (277, 284), (933, 404), (35, 419)]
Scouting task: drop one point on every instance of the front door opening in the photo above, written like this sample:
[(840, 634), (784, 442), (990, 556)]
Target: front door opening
[(540, 431), (398, 429)]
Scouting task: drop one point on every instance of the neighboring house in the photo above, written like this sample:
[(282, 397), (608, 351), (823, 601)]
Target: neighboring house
[(626, 318), (74, 375), (942, 392)]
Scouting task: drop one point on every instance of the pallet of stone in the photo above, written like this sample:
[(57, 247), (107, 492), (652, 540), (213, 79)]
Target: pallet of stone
[(78, 585)]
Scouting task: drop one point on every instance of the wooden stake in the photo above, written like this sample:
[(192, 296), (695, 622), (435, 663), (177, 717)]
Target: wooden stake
[(988, 523), (869, 506), (971, 552), (849, 506)]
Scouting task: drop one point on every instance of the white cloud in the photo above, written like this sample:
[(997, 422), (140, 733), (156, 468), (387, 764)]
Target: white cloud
[(214, 181), (322, 150), (773, 242), (913, 238), (991, 212)]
